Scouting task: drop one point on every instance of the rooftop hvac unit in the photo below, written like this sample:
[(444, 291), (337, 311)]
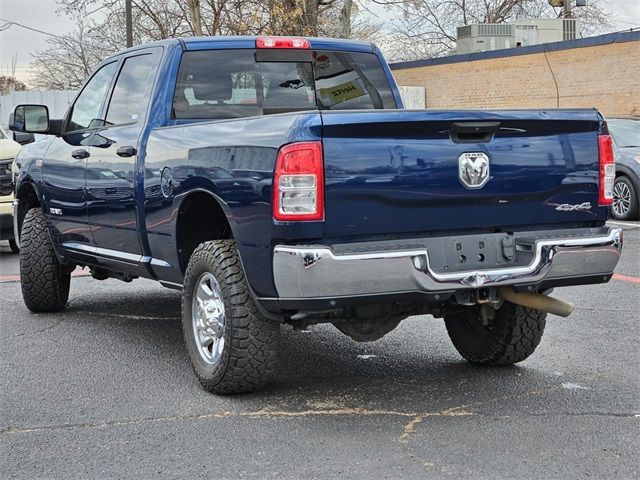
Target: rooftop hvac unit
[(464, 31), (482, 37), (495, 30)]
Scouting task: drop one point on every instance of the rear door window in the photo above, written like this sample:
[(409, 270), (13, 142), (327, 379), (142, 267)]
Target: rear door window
[(216, 84)]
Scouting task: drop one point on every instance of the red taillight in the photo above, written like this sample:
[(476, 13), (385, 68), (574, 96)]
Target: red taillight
[(298, 183), (282, 42), (607, 169)]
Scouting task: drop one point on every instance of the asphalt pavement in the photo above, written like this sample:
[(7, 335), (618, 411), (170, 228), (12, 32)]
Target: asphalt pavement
[(105, 390)]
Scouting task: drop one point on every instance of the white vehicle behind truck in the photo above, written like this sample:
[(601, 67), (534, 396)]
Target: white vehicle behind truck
[(9, 148)]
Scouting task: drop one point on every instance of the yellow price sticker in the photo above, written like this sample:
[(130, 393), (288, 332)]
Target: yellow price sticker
[(342, 93)]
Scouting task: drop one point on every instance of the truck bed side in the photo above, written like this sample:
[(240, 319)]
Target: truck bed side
[(233, 161)]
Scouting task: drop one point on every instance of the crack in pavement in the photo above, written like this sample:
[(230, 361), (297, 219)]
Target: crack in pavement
[(35, 332), (582, 414), (408, 429), (122, 315), (410, 426), (265, 412), (415, 418)]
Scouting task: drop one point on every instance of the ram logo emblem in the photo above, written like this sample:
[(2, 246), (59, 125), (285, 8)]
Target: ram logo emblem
[(473, 169)]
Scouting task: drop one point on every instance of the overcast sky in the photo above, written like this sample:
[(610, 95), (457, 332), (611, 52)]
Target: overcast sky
[(42, 15)]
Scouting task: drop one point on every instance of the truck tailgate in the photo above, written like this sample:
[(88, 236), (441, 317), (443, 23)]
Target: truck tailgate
[(399, 172)]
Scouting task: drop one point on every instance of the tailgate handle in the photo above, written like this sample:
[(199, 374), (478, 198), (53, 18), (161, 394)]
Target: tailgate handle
[(473, 132)]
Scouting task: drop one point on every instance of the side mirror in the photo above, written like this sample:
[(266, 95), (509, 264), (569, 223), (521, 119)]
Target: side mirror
[(30, 119), (23, 138)]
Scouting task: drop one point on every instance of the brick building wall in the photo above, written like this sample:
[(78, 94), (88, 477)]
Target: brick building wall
[(601, 72)]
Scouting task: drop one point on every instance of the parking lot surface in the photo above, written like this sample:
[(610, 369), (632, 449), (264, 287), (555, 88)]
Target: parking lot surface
[(105, 390)]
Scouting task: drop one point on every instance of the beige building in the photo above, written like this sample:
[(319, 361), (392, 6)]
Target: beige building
[(601, 72)]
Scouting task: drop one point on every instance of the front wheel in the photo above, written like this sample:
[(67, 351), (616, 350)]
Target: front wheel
[(44, 280), (232, 348), (509, 338)]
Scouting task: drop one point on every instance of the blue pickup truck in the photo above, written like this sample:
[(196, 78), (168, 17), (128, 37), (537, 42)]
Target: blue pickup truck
[(279, 180)]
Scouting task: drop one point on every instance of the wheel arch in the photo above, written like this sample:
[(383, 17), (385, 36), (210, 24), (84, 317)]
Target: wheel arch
[(202, 216), (28, 197), (624, 171)]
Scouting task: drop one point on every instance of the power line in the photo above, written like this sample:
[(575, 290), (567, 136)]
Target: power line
[(10, 23)]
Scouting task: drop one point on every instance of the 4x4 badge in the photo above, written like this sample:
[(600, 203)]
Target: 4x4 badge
[(567, 207)]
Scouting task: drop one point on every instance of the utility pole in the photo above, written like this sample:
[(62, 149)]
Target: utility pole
[(566, 6), (129, 22), (345, 18), (567, 9)]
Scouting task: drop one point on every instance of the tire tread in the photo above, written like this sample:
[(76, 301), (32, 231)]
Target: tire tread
[(517, 332), (254, 341), (44, 281)]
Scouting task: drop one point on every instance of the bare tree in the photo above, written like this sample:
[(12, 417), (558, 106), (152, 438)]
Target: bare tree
[(345, 18), (297, 17), (70, 59), (427, 28), (348, 19), (196, 16), (9, 83)]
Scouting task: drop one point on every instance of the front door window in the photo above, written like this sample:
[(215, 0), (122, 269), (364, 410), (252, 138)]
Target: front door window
[(86, 110)]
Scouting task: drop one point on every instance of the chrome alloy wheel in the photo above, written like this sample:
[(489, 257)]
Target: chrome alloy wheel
[(208, 317), (621, 199)]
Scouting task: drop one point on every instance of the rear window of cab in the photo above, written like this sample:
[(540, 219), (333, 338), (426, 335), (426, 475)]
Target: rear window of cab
[(216, 84)]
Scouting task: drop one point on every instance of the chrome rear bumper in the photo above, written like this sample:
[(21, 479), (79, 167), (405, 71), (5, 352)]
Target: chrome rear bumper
[(316, 271)]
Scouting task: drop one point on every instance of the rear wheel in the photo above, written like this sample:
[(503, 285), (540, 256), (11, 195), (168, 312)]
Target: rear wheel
[(625, 200), (232, 348), (510, 337), (14, 246), (45, 281)]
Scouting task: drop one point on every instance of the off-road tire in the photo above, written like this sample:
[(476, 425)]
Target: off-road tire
[(249, 354), (14, 246), (511, 337), (45, 281)]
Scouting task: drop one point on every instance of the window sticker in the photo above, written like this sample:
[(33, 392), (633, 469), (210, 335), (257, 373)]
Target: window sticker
[(321, 62), (341, 93)]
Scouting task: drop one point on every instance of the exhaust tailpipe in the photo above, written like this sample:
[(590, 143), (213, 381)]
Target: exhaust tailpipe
[(537, 301)]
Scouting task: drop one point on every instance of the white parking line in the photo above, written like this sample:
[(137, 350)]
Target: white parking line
[(625, 224)]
